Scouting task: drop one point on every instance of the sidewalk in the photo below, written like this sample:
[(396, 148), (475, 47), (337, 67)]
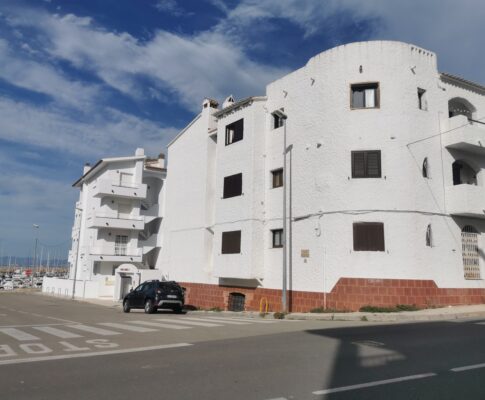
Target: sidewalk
[(430, 314)]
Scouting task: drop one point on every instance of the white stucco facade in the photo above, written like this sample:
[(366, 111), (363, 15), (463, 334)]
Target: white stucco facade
[(409, 123), (116, 237)]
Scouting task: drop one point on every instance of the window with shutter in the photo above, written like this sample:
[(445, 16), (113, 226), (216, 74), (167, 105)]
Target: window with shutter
[(232, 186), (366, 164), (234, 132), (368, 236), (364, 95), (231, 242)]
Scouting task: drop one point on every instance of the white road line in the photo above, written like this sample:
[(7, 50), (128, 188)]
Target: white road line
[(57, 332), (158, 324), (93, 354), (18, 334), (467, 367), (29, 326), (191, 321), (93, 329), (243, 320), (375, 383), (125, 327), (213, 321)]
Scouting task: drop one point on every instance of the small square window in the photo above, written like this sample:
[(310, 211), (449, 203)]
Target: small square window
[(232, 186), (234, 132), (231, 242), (277, 175), (277, 235), (364, 95), (368, 236), (366, 164)]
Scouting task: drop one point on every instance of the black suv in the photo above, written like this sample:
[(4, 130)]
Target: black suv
[(152, 295)]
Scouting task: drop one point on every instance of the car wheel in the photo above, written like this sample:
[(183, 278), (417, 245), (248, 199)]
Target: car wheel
[(126, 306), (149, 307), (178, 310)]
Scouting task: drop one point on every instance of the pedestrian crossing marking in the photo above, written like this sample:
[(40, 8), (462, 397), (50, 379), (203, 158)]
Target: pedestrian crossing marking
[(125, 327), (190, 321), (57, 332), (93, 329), (18, 334), (159, 325)]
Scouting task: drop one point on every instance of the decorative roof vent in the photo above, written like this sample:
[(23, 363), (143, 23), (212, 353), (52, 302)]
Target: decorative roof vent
[(228, 102)]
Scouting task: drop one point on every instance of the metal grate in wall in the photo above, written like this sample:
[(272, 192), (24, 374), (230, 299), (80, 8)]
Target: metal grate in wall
[(470, 252), (236, 302)]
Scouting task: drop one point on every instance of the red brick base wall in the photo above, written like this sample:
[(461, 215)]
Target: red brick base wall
[(348, 294)]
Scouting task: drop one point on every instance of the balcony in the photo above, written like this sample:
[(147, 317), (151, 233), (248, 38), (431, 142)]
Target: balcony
[(152, 213), (108, 253), (150, 243), (100, 220), (466, 135), (109, 188), (465, 200)]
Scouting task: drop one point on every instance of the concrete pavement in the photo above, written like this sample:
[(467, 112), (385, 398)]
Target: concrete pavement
[(430, 314)]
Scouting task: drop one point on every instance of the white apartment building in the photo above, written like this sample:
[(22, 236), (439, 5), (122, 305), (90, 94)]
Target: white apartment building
[(385, 186), (115, 237)]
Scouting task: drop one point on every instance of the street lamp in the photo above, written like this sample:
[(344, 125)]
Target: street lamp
[(77, 254), (280, 114), (35, 226)]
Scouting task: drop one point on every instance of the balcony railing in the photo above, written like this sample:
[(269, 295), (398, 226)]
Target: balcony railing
[(464, 134), (126, 190), (465, 200)]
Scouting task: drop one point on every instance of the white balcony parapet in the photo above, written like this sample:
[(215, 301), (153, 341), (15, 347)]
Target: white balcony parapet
[(109, 188), (465, 200), (100, 220), (108, 253), (464, 134)]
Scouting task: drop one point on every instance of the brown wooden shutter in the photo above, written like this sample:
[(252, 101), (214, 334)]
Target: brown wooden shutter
[(231, 242), (368, 236), (373, 164), (358, 164), (232, 186)]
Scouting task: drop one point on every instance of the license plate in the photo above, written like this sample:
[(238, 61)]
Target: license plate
[(171, 296)]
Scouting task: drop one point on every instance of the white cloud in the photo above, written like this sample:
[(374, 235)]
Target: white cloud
[(109, 133), (43, 78), (170, 7), (453, 29), (190, 67)]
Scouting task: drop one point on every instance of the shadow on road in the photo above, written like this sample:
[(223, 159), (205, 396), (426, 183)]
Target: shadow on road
[(374, 353)]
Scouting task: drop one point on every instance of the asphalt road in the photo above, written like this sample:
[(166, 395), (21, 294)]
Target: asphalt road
[(58, 349)]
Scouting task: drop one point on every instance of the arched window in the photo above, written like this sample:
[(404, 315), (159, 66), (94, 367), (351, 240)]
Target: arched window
[(459, 106), (463, 174), (425, 168), (470, 252), (236, 302), (429, 238)]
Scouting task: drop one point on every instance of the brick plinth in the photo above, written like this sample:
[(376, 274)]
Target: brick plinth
[(348, 294)]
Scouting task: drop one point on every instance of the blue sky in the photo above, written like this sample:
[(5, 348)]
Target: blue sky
[(81, 80)]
